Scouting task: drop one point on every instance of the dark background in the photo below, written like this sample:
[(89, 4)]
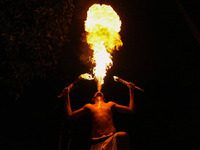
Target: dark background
[(160, 54)]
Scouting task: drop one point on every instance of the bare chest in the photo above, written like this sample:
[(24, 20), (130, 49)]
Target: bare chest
[(103, 110)]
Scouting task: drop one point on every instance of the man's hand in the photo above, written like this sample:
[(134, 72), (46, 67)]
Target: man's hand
[(66, 91), (131, 86)]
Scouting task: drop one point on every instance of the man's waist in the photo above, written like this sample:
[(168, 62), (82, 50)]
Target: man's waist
[(102, 138), (97, 133)]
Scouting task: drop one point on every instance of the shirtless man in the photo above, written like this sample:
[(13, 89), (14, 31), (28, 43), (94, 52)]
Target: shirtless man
[(101, 114)]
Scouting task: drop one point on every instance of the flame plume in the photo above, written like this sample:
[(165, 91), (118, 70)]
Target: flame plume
[(102, 26)]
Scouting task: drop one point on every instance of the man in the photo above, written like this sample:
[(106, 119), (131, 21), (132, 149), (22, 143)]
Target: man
[(104, 135)]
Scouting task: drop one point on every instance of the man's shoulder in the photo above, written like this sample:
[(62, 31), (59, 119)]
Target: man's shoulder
[(88, 105), (111, 103)]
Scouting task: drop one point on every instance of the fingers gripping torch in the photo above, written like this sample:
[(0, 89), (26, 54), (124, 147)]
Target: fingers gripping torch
[(85, 76)]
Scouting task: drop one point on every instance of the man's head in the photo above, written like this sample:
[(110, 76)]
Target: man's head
[(98, 95)]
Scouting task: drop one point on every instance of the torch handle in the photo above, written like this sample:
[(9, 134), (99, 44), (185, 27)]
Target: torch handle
[(125, 82), (70, 86), (139, 88), (122, 81), (61, 95)]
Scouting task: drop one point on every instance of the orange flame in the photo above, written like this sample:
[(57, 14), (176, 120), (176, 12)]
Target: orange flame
[(102, 27), (86, 76)]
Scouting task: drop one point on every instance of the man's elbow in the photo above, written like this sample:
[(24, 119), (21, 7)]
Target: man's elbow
[(132, 110), (72, 116), (69, 116)]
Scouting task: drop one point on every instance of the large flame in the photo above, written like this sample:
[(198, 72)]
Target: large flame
[(102, 27)]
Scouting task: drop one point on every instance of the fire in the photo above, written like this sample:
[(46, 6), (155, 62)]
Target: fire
[(86, 76), (102, 26)]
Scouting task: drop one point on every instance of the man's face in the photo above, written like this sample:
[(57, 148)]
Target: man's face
[(98, 96)]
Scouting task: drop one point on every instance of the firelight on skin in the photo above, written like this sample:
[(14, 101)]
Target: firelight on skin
[(102, 26)]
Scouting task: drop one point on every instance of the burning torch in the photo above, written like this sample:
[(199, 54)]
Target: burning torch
[(85, 76), (117, 79)]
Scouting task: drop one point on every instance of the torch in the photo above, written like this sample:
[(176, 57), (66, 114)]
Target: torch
[(117, 79), (85, 76)]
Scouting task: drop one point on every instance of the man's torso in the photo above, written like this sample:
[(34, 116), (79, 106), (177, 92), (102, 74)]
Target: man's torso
[(101, 118)]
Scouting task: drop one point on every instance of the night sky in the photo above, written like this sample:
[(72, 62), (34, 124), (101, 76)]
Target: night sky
[(160, 54)]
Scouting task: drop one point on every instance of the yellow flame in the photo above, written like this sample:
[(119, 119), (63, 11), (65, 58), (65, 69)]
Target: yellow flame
[(86, 76), (115, 78), (102, 26)]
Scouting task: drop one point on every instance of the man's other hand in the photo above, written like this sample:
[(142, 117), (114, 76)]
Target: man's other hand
[(66, 90), (131, 85)]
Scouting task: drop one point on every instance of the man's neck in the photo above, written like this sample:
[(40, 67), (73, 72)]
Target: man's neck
[(99, 103)]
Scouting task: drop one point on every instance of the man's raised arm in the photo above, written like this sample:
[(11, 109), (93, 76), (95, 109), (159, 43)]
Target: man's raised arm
[(131, 87), (72, 114), (131, 107)]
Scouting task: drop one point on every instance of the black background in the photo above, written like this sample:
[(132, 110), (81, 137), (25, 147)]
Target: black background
[(160, 54)]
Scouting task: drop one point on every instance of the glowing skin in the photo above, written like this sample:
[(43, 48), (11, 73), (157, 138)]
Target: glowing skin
[(101, 117), (101, 112)]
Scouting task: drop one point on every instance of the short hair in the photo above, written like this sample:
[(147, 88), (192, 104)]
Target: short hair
[(96, 95)]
